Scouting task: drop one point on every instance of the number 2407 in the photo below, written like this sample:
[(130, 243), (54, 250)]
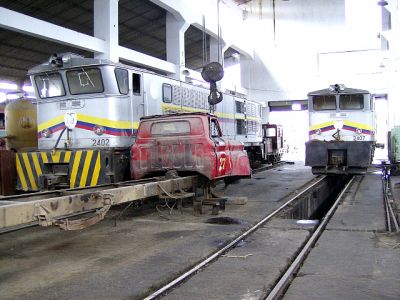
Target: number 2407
[(359, 138)]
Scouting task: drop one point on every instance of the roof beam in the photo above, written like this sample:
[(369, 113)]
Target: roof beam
[(15, 21), (233, 30), (146, 60)]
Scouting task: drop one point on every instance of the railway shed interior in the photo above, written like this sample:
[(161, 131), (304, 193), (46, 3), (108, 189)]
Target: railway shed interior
[(80, 77)]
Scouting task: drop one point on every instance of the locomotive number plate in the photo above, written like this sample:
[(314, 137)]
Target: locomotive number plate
[(359, 138), (100, 142)]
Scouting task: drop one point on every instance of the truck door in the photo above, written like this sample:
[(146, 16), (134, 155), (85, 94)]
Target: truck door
[(222, 152)]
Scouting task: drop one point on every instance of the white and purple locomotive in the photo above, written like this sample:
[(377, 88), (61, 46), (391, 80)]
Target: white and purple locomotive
[(341, 132)]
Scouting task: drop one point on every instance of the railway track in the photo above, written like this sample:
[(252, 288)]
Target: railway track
[(268, 167), (391, 221), (213, 257), (291, 271)]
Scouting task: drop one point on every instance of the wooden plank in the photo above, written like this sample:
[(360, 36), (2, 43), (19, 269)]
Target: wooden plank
[(8, 176)]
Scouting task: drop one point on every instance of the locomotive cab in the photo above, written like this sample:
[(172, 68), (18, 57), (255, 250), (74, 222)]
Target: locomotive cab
[(273, 142), (342, 131)]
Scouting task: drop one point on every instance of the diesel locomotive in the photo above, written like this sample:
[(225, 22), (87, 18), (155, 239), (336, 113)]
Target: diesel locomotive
[(88, 112), (342, 130)]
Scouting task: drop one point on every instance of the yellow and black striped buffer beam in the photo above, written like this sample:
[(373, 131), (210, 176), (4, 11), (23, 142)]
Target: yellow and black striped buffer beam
[(84, 167)]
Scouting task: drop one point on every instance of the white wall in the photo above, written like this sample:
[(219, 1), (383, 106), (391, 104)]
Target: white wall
[(316, 43)]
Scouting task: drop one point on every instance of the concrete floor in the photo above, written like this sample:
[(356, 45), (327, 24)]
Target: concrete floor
[(143, 251), (353, 259)]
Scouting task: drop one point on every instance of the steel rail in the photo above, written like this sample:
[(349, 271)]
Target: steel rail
[(287, 277), (390, 216), (226, 248), (269, 167)]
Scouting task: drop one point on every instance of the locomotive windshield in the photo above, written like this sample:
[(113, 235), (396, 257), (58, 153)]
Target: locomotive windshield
[(85, 81), (324, 102), (49, 85), (351, 102)]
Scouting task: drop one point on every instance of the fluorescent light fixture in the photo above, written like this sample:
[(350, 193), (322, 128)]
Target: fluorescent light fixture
[(3, 97), (13, 96), (28, 88), (296, 106), (8, 86)]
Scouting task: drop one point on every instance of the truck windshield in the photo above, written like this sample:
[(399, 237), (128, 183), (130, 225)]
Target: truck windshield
[(49, 85), (85, 81), (351, 102), (324, 102)]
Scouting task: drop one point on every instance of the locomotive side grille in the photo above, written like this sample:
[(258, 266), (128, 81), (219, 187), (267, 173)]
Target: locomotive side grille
[(63, 105), (191, 97), (185, 97), (251, 110), (76, 103), (176, 95)]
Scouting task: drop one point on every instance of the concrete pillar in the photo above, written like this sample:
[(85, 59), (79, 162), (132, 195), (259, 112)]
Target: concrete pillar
[(106, 27), (175, 36)]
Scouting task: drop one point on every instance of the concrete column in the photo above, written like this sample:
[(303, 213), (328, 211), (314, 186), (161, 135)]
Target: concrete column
[(175, 36), (106, 27)]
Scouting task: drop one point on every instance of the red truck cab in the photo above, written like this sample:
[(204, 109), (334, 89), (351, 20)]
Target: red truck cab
[(188, 143)]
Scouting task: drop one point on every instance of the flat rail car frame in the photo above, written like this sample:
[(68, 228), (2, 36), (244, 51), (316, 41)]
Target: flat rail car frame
[(52, 208)]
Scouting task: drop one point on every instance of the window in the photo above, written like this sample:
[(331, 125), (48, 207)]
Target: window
[(122, 80), (351, 102), (324, 102), (49, 85), (240, 127), (371, 103), (270, 132), (240, 107), (136, 84), (2, 120), (170, 128), (85, 81), (167, 93), (214, 129)]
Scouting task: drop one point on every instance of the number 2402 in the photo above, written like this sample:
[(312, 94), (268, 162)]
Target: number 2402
[(100, 142)]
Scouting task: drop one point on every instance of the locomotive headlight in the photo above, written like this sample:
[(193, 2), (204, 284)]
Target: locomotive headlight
[(318, 131), (66, 58), (46, 133), (99, 130), (359, 131), (338, 124)]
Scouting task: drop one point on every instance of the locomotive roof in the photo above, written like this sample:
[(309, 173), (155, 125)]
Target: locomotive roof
[(76, 61), (183, 114), (330, 92)]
